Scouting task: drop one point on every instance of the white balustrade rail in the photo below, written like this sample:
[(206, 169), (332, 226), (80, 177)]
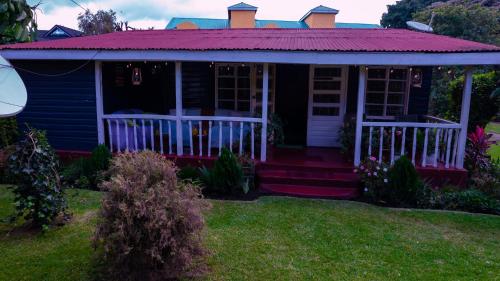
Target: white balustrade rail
[(439, 144), (201, 134)]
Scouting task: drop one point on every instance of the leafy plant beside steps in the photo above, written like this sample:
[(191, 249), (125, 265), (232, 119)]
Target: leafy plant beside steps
[(87, 173)]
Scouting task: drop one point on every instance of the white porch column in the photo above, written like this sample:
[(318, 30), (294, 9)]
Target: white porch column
[(359, 114), (464, 118), (178, 106), (98, 102), (265, 94)]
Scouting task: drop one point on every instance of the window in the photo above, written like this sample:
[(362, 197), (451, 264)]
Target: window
[(239, 87), (233, 87), (386, 92), (327, 91)]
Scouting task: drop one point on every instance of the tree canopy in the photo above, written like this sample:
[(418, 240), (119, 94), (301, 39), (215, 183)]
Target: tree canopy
[(398, 14), (99, 23), (17, 21)]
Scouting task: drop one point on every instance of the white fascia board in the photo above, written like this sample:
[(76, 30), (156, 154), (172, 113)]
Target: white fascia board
[(296, 57)]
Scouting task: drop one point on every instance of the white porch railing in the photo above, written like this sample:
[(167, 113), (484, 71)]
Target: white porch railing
[(432, 143), (201, 134)]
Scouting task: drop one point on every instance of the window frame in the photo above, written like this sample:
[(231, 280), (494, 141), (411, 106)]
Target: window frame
[(387, 80), (254, 88)]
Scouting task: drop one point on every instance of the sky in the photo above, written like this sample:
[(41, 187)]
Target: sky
[(157, 13)]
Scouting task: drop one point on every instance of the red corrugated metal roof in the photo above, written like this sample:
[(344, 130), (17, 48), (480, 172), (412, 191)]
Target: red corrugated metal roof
[(331, 40)]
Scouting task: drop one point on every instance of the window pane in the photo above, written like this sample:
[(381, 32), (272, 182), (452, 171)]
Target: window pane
[(243, 94), (394, 110), (399, 74), (320, 98), (375, 98), (243, 71), (395, 99), (226, 94), (375, 110), (326, 111), (243, 106), (226, 105), (376, 86), (244, 83), (226, 82), (396, 86), (226, 70), (326, 85), (377, 73), (322, 73)]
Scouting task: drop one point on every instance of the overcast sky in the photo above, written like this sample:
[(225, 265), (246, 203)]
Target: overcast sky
[(157, 13)]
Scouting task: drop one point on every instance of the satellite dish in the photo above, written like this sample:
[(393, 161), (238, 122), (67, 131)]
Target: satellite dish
[(13, 94), (418, 26)]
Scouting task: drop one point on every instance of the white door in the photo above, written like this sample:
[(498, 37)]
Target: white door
[(327, 99)]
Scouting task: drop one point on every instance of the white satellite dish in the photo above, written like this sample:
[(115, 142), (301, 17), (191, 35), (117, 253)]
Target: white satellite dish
[(418, 26), (13, 96)]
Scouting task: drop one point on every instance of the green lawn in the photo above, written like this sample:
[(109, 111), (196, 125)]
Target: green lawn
[(494, 151), (277, 238), (493, 127)]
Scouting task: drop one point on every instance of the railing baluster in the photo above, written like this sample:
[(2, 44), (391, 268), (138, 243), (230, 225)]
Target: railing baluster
[(436, 147), (209, 138), (381, 144), (152, 136), (231, 136), (143, 135), (445, 139), (135, 136), (448, 148), (370, 142), (160, 125), (455, 147), (220, 137), (414, 146), (403, 142), (191, 136), (110, 134), (252, 140), (169, 138), (200, 137), (241, 139), (392, 144), (126, 134), (424, 152), (118, 135)]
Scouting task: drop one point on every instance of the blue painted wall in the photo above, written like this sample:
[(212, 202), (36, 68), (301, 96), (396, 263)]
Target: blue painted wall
[(63, 106)]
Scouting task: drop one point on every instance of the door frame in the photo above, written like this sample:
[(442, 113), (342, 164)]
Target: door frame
[(343, 90)]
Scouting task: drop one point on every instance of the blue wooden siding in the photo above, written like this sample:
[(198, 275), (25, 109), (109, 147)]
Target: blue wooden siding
[(63, 106)]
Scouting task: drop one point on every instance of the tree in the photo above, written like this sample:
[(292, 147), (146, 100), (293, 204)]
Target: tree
[(99, 23), (398, 14), (474, 22), (17, 21)]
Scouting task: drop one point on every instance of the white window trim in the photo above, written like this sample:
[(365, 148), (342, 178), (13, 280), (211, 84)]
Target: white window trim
[(386, 91), (253, 86)]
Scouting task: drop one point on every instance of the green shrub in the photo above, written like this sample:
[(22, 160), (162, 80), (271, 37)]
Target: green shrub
[(87, 173), (189, 173), (150, 225), (374, 177), (488, 180), (39, 196), (405, 183), (8, 131), (470, 200), (485, 99), (226, 177)]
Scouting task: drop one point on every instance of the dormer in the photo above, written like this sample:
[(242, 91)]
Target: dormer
[(242, 15), (320, 17)]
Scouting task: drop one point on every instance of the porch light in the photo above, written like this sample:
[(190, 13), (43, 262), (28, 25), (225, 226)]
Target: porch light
[(136, 76)]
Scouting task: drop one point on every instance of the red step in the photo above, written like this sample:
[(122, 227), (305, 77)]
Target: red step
[(313, 167), (310, 191), (309, 178)]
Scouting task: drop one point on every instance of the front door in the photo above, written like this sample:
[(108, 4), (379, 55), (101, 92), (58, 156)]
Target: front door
[(326, 109)]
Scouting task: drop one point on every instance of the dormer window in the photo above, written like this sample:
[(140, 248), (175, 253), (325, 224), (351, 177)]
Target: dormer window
[(58, 33)]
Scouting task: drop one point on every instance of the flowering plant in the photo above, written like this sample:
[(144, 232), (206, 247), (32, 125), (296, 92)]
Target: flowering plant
[(373, 175)]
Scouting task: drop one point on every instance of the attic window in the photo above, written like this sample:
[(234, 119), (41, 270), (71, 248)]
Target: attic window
[(58, 32)]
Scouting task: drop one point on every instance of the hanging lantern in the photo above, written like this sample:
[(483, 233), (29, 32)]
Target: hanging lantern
[(136, 76), (416, 78)]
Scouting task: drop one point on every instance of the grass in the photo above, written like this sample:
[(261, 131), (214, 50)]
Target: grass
[(277, 238), (493, 127)]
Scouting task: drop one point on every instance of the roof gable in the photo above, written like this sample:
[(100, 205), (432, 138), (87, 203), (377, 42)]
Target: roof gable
[(242, 7)]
